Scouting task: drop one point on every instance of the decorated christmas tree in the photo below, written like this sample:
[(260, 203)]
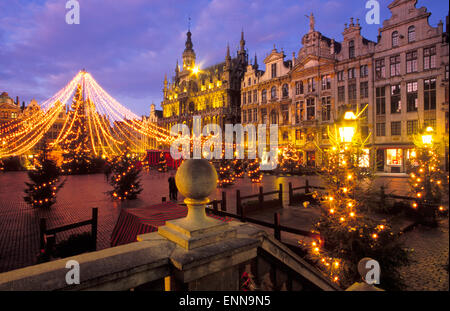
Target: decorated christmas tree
[(225, 173), (289, 159), (162, 164), (125, 177), (427, 180), (238, 168), (41, 191), (75, 146), (344, 234), (254, 171)]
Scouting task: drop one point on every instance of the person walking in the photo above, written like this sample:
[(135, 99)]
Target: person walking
[(173, 191)]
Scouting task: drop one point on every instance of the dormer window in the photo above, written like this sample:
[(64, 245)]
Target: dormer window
[(411, 34), (395, 39), (274, 70), (351, 49)]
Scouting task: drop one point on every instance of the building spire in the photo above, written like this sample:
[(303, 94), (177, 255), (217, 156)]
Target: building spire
[(242, 42), (255, 64)]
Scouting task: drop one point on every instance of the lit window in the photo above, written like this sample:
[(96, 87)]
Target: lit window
[(394, 157)]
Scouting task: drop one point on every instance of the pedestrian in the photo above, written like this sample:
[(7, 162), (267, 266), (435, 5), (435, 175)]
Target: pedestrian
[(173, 191)]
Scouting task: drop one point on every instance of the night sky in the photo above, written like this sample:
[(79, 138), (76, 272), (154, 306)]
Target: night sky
[(129, 45)]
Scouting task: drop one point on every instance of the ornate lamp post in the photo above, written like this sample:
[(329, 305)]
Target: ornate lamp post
[(347, 129)]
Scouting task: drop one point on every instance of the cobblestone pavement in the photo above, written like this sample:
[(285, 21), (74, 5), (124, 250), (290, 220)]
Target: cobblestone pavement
[(19, 224), (429, 270)]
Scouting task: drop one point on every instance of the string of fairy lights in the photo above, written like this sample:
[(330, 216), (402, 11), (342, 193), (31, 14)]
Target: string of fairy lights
[(110, 125)]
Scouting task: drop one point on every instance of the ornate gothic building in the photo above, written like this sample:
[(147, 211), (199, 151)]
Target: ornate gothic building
[(213, 93)]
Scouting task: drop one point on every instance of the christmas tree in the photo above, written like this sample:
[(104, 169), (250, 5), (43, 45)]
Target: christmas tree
[(427, 181), (345, 235), (41, 191), (76, 150), (225, 173), (254, 171), (125, 177), (238, 168), (289, 159), (162, 164)]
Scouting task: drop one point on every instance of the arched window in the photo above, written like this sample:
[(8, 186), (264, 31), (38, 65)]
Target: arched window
[(264, 96), (411, 34), (351, 49), (273, 117), (285, 89), (395, 38), (273, 92)]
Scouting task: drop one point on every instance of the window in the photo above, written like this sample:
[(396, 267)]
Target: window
[(411, 96), (311, 85), (364, 71), (380, 100), (380, 69), (446, 72), (351, 49), (429, 122), (273, 93), (285, 113), (255, 96), (298, 134), (298, 87), (298, 111), (396, 103), (396, 128), (244, 98), (412, 127), (364, 90), (255, 115), (249, 81), (274, 70), (429, 58), (264, 115), (394, 157), (381, 129), (310, 109), (340, 75), (326, 108), (244, 116), (249, 112), (273, 117), (411, 34), (249, 96), (285, 90), (429, 92), (395, 39), (264, 96), (326, 82), (351, 73), (352, 92), (395, 65), (341, 94), (411, 62)]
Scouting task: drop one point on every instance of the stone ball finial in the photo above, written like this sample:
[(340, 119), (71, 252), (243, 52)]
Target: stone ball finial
[(196, 179), (362, 270)]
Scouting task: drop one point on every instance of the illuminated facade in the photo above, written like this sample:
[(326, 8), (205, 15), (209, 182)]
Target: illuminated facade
[(9, 110), (402, 79), (213, 93)]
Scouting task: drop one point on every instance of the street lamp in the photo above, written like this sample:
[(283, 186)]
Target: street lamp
[(427, 137), (348, 127)]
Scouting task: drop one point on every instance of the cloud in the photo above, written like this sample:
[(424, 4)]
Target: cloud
[(128, 46)]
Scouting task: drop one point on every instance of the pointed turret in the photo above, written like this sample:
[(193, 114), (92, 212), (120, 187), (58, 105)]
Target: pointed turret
[(242, 54), (242, 42), (255, 64), (188, 54), (228, 58)]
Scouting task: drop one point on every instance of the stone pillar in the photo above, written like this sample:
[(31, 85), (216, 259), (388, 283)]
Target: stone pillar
[(206, 253)]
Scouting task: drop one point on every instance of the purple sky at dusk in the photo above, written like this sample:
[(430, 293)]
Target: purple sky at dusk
[(129, 45)]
